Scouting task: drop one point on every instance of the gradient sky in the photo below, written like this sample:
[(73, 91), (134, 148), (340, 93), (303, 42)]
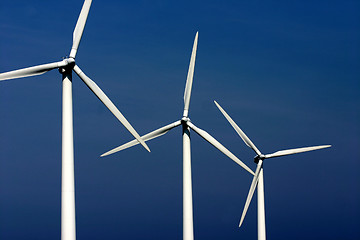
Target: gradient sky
[(287, 72)]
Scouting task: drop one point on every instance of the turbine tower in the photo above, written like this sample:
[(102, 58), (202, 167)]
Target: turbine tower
[(188, 233), (65, 68), (258, 177)]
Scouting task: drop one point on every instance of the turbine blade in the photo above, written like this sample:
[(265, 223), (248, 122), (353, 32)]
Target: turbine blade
[(31, 71), (219, 146), (189, 80), (243, 136), (296, 150), (154, 134), (251, 191), (79, 28), (105, 100)]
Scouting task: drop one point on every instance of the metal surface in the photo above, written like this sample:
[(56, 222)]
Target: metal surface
[(259, 173), (65, 68), (188, 232)]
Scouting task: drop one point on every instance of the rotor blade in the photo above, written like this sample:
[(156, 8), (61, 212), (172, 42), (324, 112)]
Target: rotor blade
[(243, 136), (154, 134), (189, 80), (102, 96), (251, 191), (79, 28), (219, 146), (31, 71), (296, 150)]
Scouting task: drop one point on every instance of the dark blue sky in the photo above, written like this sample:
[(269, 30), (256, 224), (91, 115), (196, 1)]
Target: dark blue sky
[(287, 72)]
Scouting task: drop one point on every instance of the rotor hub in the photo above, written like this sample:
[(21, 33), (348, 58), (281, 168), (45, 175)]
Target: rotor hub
[(69, 64), (259, 157), (184, 120)]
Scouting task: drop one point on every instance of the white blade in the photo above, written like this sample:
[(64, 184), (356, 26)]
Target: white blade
[(243, 136), (219, 146), (79, 28), (154, 134), (251, 191), (189, 80), (31, 71), (296, 150), (102, 96)]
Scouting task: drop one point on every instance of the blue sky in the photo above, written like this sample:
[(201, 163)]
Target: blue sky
[(287, 72)]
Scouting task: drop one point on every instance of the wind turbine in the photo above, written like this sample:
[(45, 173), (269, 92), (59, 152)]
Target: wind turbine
[(188, 233), (258, 177), (65, 68)]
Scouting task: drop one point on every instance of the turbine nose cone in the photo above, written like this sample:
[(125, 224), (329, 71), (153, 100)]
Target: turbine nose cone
[(185, 119), (70, 63), (70, 60), (66, 65), (259, 157)]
